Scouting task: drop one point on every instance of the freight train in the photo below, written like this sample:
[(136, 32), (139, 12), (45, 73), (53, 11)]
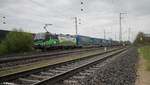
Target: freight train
[(49, 40), (3, 34)]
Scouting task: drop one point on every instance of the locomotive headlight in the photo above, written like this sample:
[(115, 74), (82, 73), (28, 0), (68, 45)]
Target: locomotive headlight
[(54, 42)]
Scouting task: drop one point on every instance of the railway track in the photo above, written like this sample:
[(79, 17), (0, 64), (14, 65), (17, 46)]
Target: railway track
[(22, 57), (51, 74), (6, 63)]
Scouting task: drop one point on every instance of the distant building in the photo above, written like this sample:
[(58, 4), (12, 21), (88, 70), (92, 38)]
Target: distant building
[(147, 35), (147, 38), (142, 38)]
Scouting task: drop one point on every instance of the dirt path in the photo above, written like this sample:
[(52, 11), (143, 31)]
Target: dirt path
[(143, 76)]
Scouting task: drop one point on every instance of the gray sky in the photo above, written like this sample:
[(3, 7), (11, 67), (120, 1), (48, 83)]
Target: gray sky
[(31, 15)]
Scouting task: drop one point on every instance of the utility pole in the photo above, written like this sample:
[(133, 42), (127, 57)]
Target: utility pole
[(115, 36), (104, 39), (120, 34), (76, 25), (104, 35), (105, 47), (129, 34)]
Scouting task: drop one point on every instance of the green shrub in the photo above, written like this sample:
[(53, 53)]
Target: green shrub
[(16, 41)]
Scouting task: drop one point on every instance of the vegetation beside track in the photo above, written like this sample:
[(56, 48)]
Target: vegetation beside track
[(141, 39), (49, 62), (145, 51), (16, 41)]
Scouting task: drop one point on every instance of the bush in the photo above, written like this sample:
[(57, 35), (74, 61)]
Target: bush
[(16, 41)]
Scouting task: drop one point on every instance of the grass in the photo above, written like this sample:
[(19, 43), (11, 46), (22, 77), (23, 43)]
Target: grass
[(145, 51)]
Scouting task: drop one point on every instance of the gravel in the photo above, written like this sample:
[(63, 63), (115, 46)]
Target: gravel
[(120, 71)]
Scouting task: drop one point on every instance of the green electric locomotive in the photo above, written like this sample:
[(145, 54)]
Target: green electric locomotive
[(49, 40)]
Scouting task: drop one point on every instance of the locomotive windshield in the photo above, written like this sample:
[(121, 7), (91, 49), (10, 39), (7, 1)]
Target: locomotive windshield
[(39, 36)]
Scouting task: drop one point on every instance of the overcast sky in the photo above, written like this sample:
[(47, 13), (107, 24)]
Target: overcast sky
[(97, 15)]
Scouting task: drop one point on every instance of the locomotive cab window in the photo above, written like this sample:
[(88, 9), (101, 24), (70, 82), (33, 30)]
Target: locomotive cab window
[(39, 36)]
